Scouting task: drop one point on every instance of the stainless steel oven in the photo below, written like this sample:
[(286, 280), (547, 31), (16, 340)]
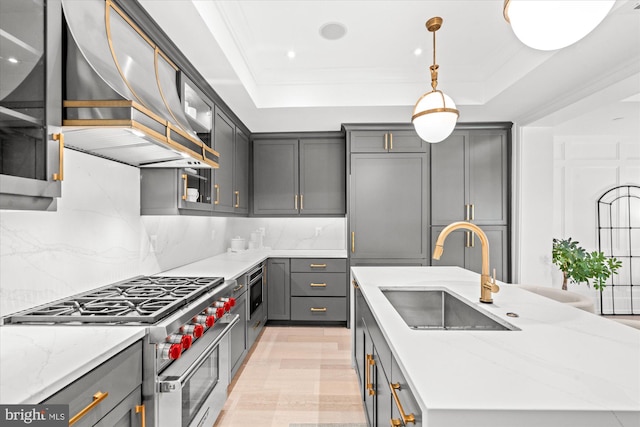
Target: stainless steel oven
[(256, 289), (193, 389)]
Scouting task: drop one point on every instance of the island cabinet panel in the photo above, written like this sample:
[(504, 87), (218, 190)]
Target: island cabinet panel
[(120, 377), (278, 289), (299, 174), (463, 249), (388, 202)]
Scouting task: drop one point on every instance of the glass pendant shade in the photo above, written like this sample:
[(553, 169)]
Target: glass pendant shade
[(551, 25), (434, 116)]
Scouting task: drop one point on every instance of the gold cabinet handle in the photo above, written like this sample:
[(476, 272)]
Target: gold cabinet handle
[(237, 193), (405, 418), (395, 422), (370, 363), (319, 310), (60, 138), (318, 285), (97, 398), (466, 212), (355, 284), (390, 141), (473, 212), (467, 244), (318, 265), (295, 201), (217, 188), (353, 242), (184, 192), (143, 419), (302, 202), (237, 288), (386, 135), (257, 324)]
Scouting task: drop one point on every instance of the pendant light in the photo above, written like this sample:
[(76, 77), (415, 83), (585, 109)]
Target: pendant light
[(435, 114), (551, 25)]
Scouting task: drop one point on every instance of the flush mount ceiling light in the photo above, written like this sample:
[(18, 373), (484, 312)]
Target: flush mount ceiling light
[(333, 31), (435, 114), (551, 25)]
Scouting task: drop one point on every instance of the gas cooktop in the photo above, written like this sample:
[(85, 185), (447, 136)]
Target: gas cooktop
[(141, 300)]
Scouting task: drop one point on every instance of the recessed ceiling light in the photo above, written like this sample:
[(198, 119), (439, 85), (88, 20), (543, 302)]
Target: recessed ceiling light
[(417, 51), (12, 60), (291, 54), (333, 31)]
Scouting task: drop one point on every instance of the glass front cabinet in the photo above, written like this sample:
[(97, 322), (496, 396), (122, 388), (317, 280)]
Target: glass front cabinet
[(31, 145)]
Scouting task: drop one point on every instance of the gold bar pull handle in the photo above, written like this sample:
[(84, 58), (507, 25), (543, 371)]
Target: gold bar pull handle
[(301, 201), (217, 188), (473, 212), (472, 239), (143, 418), (405, 418), (97, 398), (390, 141), (318, 285), (257, 324), (370, 363), (353, 242), (184, 187), (60, 138), (386, 135), (318, 265), (237, 204), (466, 212), (318, 310), (295, 201), (467, 239)]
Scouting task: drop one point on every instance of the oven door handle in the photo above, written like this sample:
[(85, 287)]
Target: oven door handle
[(169, 383)]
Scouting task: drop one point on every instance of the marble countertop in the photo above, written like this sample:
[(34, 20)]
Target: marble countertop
[(564, 367), (38, 360), (231, 265)]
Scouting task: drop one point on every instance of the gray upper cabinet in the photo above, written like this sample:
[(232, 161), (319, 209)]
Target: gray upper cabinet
[(299, 174), (469, 176), (241, 173), (384, 140), (31, 145), (388, 215), (223, 143)]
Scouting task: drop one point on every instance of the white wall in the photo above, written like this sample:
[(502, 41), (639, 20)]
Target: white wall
[(97, 236)]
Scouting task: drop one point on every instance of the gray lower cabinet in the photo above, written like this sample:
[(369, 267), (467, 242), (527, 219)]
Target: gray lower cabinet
[(307, 289), (238, 348), (388, 207), (379, 373), (299, 174), (278, 289), (121, 378)]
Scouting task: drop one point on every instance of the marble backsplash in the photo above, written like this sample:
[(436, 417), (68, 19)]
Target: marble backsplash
[(97, 236)]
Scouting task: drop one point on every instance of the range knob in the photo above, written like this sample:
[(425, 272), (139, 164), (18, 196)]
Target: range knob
[(204, 320), (231, 301), (184, 340), (193, 329), (169, 351), (223, 303)]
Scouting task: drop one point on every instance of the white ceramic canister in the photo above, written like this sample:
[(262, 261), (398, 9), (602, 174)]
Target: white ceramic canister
[(237, 244)]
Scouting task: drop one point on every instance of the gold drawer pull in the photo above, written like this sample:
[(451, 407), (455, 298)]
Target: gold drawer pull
[(369, 381), (405, 418), (184, 193), (319, 310), (97, 398), (318, 285), (143, 419), (318, 265), (237, 193), (257, 324), (237, 288), (217, 188), (60, 175)]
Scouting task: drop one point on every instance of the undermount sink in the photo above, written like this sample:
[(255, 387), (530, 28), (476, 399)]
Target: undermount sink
[(440, 309)]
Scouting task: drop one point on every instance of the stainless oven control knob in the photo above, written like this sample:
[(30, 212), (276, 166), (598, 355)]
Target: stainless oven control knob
[(218, 312), (222, 304), (184, 340), (170, 351), (204, 320), (194, 329)]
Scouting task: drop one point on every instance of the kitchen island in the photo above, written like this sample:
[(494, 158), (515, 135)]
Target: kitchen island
[(561, 366)]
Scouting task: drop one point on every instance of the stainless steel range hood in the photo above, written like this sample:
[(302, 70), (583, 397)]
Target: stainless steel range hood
[(121, 96)]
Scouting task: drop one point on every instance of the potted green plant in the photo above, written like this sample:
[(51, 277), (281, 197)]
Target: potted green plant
[(578, 265)]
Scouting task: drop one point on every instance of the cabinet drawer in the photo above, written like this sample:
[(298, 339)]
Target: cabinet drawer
[(118, 376), (333, 309), (319, 284), (308, 265)]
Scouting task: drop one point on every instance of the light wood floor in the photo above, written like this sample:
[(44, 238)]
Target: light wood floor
[(295, 375)]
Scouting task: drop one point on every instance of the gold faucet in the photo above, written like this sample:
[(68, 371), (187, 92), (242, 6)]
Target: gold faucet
[(487, 284)]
